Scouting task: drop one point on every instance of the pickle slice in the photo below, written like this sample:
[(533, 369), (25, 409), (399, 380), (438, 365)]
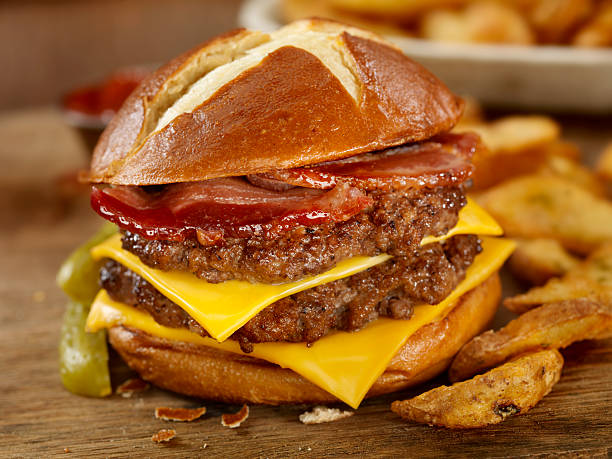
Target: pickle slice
[(78, 275), (83, 355)]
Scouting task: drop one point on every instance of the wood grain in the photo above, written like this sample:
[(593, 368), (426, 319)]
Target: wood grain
[(41, 222)]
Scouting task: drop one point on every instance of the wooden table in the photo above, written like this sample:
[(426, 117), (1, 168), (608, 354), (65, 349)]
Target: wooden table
[(43, 218)]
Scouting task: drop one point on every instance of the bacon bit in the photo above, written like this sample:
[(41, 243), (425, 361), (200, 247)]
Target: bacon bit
[(131, 386), (179, 414), (233, 420), (321, 414), (164, 435)]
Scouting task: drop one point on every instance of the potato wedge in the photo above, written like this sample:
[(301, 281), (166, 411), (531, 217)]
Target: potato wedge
[(552, 326), (553, 158), (535, 261), (604, 163), (514, 134), (566, 168), (479, 22), (394, 9), (536, 206), (590, 278), (510, 389), (516, 145), (597, 32), (555, 20)]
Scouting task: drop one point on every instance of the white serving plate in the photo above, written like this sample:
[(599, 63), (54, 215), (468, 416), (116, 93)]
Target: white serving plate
[(552, 78)]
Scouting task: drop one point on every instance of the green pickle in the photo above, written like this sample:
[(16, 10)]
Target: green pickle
[(78, 275), (83, 355)]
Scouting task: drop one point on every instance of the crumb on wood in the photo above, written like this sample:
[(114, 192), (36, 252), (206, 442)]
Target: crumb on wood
[(163, 436), (234, 420), (39, 296), (321, 414), (179, 414), (131, 386)]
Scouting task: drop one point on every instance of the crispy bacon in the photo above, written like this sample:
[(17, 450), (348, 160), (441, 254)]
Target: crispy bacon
[(219, 208), (442, 161)]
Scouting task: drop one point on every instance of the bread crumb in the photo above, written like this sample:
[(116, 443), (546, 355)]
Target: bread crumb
[(164, 435), (233, 420), (39, 296), (131, 386), (321, 414), (179, 414)]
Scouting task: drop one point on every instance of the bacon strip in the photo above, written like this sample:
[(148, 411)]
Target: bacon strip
[(219, 208), (443, 161)]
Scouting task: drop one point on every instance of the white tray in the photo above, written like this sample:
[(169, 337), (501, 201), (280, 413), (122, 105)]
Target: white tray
[(554, 78)]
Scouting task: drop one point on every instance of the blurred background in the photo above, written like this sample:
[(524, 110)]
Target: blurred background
[(50, 47), (552, 54)]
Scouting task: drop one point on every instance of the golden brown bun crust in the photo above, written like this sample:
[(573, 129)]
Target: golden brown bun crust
[(287, 111), (212, 374)]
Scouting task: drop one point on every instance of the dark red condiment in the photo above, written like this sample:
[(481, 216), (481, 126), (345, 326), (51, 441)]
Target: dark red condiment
[(104, 100)]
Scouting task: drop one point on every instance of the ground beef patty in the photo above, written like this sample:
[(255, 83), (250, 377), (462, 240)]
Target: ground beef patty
[(395, 224), (390, 289)]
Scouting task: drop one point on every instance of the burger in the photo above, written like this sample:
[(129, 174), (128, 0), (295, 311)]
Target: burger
[(292, 221)]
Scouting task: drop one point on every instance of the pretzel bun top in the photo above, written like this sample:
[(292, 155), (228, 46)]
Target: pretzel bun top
[(248, 102)]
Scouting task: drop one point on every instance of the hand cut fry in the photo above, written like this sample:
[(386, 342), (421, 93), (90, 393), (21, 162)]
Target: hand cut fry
[(510, 389), (604, 163), (516, 145), (574, 172), (555, 20), (514, 134), (395, 9), (536, 206), (292, 10), (592, 277), (480, 22), (537, 260), (552, 326), (598, 30)]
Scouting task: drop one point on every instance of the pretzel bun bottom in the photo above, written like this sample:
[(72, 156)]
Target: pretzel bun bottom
[(209, 373)]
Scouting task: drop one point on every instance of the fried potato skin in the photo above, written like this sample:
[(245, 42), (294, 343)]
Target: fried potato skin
[(537, 206), (590, 278), (478, 22), (604, 162), (535, 261), (511, 389), (597, 32), (551, 326)]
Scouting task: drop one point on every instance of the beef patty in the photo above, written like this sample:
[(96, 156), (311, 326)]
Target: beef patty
[(395, 224), (390, 289)]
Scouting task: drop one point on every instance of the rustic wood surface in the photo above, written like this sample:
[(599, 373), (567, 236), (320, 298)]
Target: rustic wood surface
[(44, 217)]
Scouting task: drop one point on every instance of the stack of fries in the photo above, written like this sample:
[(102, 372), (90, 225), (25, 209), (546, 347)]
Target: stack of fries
[(560, 214), (523, 22)]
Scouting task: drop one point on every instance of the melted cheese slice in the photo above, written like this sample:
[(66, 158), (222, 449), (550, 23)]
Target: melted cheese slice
[(223, 308), (344, 364)]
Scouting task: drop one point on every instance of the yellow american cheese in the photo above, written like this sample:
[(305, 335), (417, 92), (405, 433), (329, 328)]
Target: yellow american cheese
[(223, 308), (344, 364)]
